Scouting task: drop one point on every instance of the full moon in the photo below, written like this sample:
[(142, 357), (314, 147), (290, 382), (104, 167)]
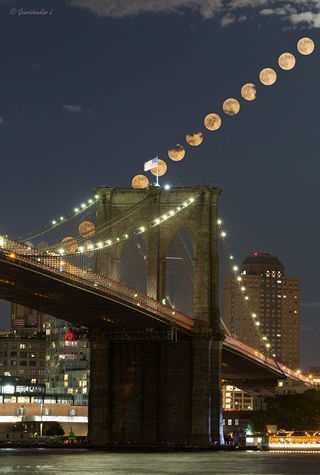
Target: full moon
[(305, 46), (194, 139), (268, 76), (176, 154), (140, 182), (212, 121), (231, 106), (160, 170), (69, 244), (287, 61), (249, 92), (86, 228)]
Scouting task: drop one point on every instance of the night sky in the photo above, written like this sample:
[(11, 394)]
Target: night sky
[(91, 90)]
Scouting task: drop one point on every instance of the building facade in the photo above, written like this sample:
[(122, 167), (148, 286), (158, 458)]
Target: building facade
[(25, 321), (23, 357), (273, 299), (67, 360)]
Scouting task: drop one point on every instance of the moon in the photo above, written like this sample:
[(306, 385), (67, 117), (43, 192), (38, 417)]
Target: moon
[(194, 139), (268, 76), (305, 46), (176, 154), (69, 244), (140, 182), (287, 61), (212, 121), (86, 228), (161, 170), (231, 106), (249, 92)]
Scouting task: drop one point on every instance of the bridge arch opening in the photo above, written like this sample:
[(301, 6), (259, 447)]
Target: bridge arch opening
[(180, 272), (133, 264)]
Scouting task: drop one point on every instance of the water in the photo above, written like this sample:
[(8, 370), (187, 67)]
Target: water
[(72, 462)]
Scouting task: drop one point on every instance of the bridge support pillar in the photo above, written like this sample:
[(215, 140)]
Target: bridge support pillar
[(99, 392), (206, 417), (155, 393)]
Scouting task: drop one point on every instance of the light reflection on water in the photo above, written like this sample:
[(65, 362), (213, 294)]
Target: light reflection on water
[(71, 462)]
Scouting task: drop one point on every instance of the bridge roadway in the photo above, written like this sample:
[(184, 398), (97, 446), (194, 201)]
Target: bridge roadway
[(56, 287)]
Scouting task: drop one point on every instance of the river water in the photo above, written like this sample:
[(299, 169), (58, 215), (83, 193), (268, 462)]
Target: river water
[(72, 462)]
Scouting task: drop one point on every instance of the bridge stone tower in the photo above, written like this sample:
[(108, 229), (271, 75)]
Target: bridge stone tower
[(155, 392)]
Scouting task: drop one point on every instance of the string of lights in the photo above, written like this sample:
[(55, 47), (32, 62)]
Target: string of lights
[(242, 289), (84, 206), (80, 239), (92, 247)]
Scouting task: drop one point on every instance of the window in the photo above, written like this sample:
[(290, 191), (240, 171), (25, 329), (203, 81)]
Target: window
[(229, 422), (23, 346), (13, 353)]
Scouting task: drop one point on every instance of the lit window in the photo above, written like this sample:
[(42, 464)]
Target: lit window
[(229, 422)]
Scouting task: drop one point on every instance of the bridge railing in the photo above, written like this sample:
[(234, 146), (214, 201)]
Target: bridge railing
[(264, 358), (53, 263)]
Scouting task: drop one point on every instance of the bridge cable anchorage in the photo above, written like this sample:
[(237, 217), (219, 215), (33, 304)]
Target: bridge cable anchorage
[(98, 246), (238, 280), (55, 223), (102, 228)]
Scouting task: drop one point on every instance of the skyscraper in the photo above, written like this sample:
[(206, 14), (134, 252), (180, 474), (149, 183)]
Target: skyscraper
[(273, 299)]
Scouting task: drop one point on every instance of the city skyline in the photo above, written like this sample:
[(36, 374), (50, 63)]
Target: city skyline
[(74, 106)]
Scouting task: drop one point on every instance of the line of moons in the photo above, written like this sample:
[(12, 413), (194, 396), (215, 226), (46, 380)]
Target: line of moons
[(231, 107)]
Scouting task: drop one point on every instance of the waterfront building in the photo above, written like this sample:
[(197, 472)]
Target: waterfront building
[(23, 356), (26, 321), (67, 360), (273, 299)]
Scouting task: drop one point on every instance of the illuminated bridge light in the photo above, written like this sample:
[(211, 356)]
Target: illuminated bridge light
[(61, 218), (54, 222), (142, 229), (239, 279), (126, 236), (61, 251), (1, 241), (100, 244), (157, 221), (219, 222), (171, 212), (253, 315), (96, 196), (90, 201), (109, 242), (223, 234), (76, 210), (235, 268), (243, 289)]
